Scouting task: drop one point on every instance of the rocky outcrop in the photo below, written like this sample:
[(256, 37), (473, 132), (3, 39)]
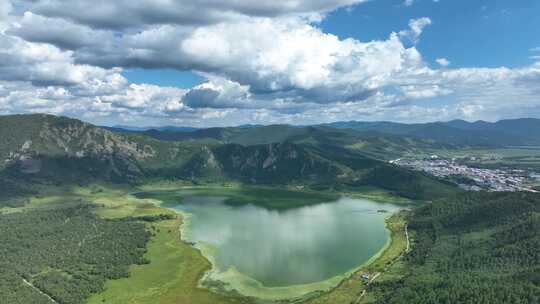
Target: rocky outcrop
[(80, 139), (39, 147)]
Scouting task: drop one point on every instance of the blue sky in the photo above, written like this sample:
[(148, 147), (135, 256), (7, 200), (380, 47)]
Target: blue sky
[(163, 77), (217, 63), (487, 33), (478, 33)]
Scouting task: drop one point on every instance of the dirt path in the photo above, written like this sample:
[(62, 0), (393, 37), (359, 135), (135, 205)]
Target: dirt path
[(38, 290), (407, 249), (407, 237), (365, 287)]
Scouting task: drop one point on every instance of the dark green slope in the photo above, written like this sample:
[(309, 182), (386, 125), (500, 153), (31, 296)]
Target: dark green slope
[(368, 142), (239, 135), (478, 248), (278, 163), (322, 167)]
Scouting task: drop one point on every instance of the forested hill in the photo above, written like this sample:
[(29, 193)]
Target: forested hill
[(478, 248), (372, 142), (49, 150)]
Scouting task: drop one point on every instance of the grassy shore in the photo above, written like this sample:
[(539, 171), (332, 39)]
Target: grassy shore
[(367, 192), (350, 289), (171, 277), (267, 197), (379, 195)]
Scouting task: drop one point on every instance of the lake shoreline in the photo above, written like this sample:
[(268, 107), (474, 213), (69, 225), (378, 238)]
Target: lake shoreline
[(349, 289), (232, 282)]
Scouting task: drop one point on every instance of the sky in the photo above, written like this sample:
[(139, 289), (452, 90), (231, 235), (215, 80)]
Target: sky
[(220, 63)]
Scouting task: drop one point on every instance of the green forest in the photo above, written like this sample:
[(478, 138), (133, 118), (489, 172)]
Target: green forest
[(478, 248), (66, 253)]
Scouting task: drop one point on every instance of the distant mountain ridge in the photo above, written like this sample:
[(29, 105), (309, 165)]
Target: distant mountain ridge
[(120, 128), (510, 132)]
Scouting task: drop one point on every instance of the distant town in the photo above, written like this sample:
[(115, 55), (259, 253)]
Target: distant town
[(470, 178)]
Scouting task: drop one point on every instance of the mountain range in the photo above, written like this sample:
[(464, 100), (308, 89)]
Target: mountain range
[(49, 150), (459, 133), (461, 238)]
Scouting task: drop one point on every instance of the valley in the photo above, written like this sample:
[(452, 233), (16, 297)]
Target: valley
[(306, 215), (269, 152)]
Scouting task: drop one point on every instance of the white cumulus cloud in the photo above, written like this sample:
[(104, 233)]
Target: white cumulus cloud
[(416, 26), (262, 62), (443, 62)]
